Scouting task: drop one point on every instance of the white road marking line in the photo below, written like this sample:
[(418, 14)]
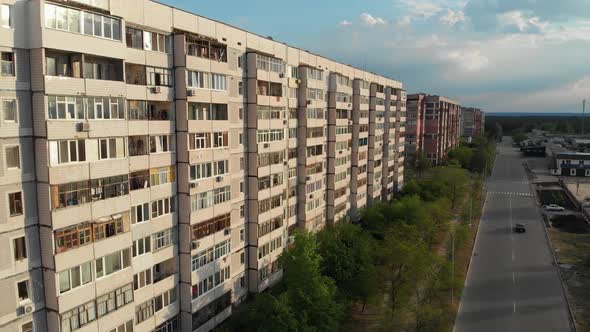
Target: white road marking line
[(514, 306)]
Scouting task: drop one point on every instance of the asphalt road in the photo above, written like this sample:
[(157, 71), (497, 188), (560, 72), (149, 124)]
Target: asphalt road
[(512, 284)]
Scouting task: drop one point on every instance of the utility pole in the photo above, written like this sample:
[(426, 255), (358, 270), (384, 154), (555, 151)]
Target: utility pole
[(452, 267)]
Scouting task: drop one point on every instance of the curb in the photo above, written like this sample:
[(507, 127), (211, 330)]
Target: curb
[(483, 206), (572, 317)]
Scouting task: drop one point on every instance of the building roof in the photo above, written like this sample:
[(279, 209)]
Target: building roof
[(573, 155)]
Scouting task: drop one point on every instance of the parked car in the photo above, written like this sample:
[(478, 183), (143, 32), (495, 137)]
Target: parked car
[(553, 207), (520, 228)]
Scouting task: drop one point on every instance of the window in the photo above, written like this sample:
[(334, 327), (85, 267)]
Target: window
[(159, 76), (208, 170), (104, 108), (163, 206), (68, 108), (206, 111), (208, 283), (271, 135), (110, 187), (125, 327), (204, 48), (69, 151), (114, 300), (165, 299), (6, 16), (20, 248), (27, 327), (203, 80), (211, 310), (270, 64), (12, 157), (210, 198), (75, 277), (112, 263), (159, 144), (164, 239), (155, 42), (211, 226), (162, 175), (169, 326), (70, 194), (74, 20), (111, 148), (15, 202), (134, 38), (9, 113), (144, 311), (73, 237), (140, 213), (142, 246), (23, 290), (7, 67), (77, 317), (142, 279)]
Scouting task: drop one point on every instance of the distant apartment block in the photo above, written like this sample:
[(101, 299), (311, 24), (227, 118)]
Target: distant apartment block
[(155, 163), (434, 126), (472, 122)]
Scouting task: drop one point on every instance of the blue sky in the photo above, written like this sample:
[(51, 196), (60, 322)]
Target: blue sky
[(500, 55)]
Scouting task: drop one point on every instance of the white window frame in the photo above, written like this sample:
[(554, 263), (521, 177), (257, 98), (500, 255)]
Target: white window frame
[(6, 9), (2, 101)]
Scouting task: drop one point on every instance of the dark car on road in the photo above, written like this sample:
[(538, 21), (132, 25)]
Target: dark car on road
[(520, 228)]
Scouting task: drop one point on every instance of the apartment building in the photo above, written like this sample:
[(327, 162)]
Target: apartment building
[(156, 162), (472, 122), (437, 126)]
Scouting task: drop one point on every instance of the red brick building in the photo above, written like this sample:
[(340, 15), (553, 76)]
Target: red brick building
[(437, 126)]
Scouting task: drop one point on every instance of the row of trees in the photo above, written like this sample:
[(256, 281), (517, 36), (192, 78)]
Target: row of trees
[(387, 261)]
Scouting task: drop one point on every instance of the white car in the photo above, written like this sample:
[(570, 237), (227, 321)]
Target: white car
[(553, 207)]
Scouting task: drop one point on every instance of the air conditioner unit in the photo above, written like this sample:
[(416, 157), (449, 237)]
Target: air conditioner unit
[(285, 163), (195, 244), (311, 196), (281, 75), (349, 122), (340, 152), (307, 178), (191, 93), (194, 184), (298, 81), (284, 122), (156, 89), (28, 309), (227, 231), (25, 309), (349, 105), (219, 178), (308, 102), (83, 126), (266, 145)]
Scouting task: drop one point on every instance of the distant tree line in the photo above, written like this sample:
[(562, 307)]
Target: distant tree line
[(511, 125)]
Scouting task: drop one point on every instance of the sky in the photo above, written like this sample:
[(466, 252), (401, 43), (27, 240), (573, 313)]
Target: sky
[(499, 55)]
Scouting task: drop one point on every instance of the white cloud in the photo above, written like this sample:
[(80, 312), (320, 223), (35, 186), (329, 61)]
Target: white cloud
[(345, 23), (453, 17), (421, 8), (518, 22), (403, 21), (465, 59), (370, 20)]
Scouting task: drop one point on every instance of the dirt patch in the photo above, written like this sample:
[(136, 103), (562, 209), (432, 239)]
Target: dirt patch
[(573, 255), (570, 223)]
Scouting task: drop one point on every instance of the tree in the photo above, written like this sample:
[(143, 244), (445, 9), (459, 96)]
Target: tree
[(266, 314), (347, 253), (309, 293), (462, 154), (423, 164), (454, 179)]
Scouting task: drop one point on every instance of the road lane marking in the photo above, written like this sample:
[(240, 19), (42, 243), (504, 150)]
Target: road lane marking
[(514, 306)]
